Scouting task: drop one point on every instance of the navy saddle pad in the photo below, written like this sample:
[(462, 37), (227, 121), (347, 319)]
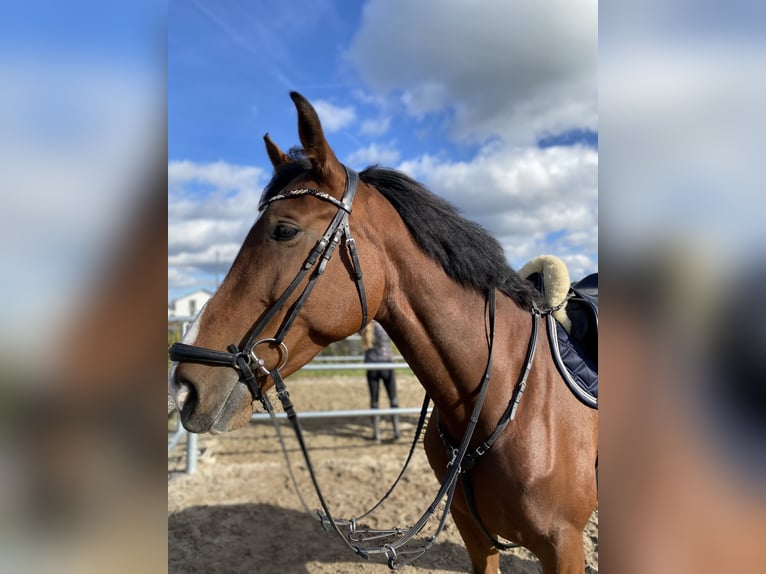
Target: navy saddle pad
[(576, 353)]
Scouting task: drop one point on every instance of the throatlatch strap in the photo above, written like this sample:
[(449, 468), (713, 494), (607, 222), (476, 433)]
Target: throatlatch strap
[(351, 247)]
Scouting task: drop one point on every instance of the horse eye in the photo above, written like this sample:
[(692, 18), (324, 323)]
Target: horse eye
[(283, 232)]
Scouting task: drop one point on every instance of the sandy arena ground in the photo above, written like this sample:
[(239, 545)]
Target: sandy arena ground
[(240, 513)]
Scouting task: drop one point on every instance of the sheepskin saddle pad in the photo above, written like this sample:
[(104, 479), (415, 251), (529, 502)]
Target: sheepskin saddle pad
[(573, 324)]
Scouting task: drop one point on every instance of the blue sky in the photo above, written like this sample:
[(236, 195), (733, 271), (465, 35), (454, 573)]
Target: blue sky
[(495, 110)]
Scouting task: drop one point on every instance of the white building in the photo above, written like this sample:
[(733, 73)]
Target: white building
[(189, 305)]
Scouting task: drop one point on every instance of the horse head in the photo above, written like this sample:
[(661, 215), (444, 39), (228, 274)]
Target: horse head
[(295, 286)]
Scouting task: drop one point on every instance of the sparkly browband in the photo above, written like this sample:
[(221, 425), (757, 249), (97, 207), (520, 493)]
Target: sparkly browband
[(306, 191)]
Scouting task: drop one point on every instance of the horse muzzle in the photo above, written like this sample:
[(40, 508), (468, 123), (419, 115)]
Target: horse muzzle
[(207, 405)]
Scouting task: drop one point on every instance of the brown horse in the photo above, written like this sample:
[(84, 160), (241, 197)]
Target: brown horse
[(428, 275)]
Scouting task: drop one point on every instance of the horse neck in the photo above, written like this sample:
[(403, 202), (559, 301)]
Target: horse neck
[(441, 328)]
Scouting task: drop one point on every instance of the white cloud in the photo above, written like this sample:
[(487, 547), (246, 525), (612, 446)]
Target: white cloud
[(375, 127), (420, 99), (516, 70), (385, 155), (334, 118), (579, 265), (181, 279), (198, 233), (220, 175), (211, 207), (212, 255), (218, 190), (533, 200)]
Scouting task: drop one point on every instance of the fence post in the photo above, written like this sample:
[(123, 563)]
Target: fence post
[(191, 452)]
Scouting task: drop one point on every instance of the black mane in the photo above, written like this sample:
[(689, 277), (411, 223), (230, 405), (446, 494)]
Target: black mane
[(464, 249)]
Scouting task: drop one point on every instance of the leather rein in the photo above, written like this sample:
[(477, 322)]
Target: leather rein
[(245, 360)]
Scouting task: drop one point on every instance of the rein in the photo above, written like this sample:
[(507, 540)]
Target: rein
[(245, 360)]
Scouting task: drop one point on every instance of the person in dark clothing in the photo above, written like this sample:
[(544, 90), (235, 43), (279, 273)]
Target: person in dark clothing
[(377, 349)]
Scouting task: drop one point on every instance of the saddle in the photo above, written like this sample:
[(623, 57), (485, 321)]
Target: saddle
[(573, 324)]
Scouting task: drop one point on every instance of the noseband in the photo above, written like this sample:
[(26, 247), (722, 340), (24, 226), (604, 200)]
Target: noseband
[(245, 360)]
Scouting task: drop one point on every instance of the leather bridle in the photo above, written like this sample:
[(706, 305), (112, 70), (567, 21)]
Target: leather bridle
[(245, 360)]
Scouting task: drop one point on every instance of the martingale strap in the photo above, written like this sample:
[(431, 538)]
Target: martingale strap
[(471, 458)]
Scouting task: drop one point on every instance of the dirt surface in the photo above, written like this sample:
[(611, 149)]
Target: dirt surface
[(239, 511)]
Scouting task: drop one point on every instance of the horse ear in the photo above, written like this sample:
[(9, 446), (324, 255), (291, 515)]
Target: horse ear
[(315, 145), (276, 155)]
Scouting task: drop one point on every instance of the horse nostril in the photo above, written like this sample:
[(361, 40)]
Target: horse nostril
[(183, 393)]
